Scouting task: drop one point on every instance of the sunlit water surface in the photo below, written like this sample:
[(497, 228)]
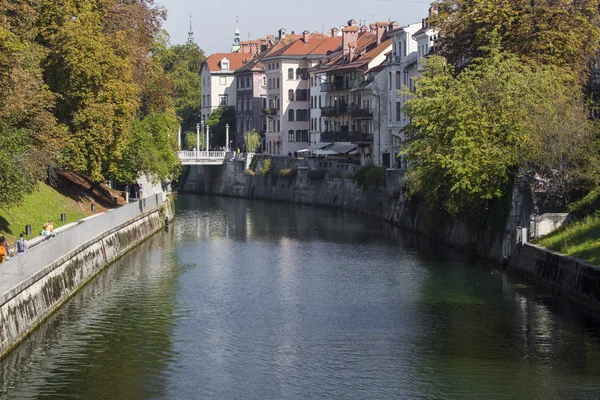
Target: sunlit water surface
[(254, 300)]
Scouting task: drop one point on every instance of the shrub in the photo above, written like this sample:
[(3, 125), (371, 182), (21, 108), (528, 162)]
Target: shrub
[(253, 163), (370, 176), (249, 172), (317, 175), (266, 167), (287, 172)]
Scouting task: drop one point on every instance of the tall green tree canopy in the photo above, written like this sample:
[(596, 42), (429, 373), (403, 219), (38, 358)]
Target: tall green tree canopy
[(217, 121), (562, 33), (472, 132)]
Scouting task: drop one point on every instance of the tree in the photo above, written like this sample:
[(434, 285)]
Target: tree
[(252, 141), (190, 140), (561, 33), (217, 121), (471, 132), (30, 137), (182, 66), (150, 149)]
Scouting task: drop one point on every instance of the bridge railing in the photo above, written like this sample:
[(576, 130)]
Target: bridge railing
[(195, 155)]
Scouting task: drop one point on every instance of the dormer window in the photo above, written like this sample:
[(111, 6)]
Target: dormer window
[(225, 64)]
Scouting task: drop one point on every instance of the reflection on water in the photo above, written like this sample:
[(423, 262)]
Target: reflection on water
[(255, 300)]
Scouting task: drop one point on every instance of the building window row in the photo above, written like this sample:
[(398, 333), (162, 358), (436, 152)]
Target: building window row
[(298, 136), (244, 82), (299, 115), (300, 73), (273, 66)]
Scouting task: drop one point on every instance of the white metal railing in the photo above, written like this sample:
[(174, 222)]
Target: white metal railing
[(202, 157)]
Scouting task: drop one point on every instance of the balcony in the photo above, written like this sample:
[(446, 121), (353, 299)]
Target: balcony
[(360, 138), (334, 111), (270, 111), (328, 137), (361, 113), (333, 86)]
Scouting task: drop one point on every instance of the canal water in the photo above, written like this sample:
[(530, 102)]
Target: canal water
[(252, 300)]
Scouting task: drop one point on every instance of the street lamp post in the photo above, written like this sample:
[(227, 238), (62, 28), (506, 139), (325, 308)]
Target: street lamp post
[(227, 137), (207, 138), (197, 139), (179, 138)]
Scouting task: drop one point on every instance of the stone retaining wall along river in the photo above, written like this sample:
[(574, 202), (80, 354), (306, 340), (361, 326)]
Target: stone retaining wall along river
[(336, 189), (56, 268)]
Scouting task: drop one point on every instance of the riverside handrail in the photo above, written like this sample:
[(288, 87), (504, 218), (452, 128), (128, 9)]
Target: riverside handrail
[(45, 250)]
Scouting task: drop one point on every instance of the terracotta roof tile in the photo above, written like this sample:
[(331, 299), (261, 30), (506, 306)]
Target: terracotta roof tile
[(236, 60)]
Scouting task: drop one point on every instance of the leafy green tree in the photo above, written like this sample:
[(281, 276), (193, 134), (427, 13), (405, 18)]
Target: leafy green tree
[(190, 140), (252, 141), (217, 121), (150, 149), (471, 133), (17, 177), (562, 33), (26, 107), (182, 66)]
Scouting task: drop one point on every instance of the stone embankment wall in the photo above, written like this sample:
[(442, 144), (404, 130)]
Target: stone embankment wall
[(338, 190), (565, 275), (85, 248)]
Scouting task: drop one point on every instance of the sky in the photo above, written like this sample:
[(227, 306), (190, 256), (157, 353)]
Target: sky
[(213, 21)]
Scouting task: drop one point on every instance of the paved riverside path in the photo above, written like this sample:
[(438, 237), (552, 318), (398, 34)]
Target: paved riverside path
[(44, 250)]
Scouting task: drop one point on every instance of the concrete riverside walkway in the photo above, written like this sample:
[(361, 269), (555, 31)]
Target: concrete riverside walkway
[(44, 250)]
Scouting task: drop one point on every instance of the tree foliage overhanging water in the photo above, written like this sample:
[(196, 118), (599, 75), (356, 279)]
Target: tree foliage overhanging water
[(91, 86)]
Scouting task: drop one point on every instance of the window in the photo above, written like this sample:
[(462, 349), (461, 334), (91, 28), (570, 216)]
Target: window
[(222, 100), (298, 135), (398, 106), (305, 136), (278, 126), (225, 65), (298, 115), (319, 101), (203, 101), (291, 94), (390, 79), (398, 82), (291, 73), (291, 135), (270, 84), (277, 83), (290, 115), (222, 80), (264, 80)]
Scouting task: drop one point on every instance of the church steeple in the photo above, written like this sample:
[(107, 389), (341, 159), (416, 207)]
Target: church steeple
[(190, 33), (236, 40)]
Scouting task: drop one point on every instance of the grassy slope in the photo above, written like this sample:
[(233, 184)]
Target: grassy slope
[(37, 208), (580, 239)]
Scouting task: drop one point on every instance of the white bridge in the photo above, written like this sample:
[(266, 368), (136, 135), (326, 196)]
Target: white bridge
[(202, 157)]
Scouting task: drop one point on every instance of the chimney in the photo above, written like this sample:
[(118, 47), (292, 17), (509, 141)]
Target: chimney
[(381, 31), (351, 49), (352, 23), (373, 28), (282, 33), (349, 35), (393, 26), (270, 39), (306, 37), (334, 32), (364, 29)]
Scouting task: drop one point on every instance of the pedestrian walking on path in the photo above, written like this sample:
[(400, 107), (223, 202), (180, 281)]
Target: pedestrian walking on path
[(20, 250), (3, 252)]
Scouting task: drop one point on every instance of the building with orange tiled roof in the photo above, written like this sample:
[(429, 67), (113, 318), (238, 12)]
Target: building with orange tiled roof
[(288, 90), (218, 80), (348, 99)]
